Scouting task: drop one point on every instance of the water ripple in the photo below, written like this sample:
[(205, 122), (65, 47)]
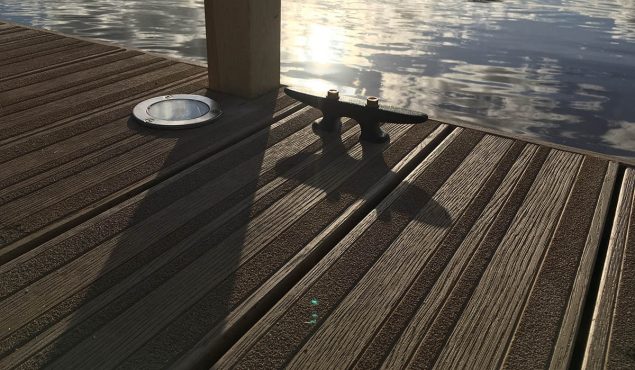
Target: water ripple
[(558, 70)]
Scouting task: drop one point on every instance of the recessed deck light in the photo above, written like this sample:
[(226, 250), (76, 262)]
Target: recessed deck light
[(177, 111)]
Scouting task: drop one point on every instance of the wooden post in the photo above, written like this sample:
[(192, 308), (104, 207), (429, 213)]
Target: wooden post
[(243, 46)]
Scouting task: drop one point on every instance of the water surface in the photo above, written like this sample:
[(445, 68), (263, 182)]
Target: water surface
[(557, 70)]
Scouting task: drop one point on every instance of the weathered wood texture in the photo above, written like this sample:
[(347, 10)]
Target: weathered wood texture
[(243, 45), (480, 259), (611, 343), (68, 147)]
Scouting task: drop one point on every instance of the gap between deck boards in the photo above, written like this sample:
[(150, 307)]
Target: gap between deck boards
[(59, 227)]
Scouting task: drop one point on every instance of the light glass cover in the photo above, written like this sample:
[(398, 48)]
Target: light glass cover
[(178, 109)]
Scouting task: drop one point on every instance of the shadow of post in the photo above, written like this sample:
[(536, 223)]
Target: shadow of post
[(170, 276), (120, 317), (333, 146)]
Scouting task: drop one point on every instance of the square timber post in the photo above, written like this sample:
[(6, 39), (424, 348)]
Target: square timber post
[(243, 46)]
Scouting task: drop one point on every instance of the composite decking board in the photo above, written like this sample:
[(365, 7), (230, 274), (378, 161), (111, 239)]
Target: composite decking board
[(65, 128), (18, 207), (380, 288), (120, 154), (484, 236), (253, 275), (539, 327), (39, 161), (487, 321), (46, 164), (33, 75), (547, 197), (439, 285), (28, 42), (153, 281), (95, 120), (28, 52), (81, 89), (50, 60), (456, 290), (211, 269), (573, 322), (165, 195), (32, 172), (117, 176), (465, 228), (99, 96), (612, 335), (217, 340), (69, 45), (164, 199), (44, 91), (337, 274), (10, 29), (21, 41), (427, 351), (212, 168), (36, 117), (43, 75), (302, 159), (16, 36)]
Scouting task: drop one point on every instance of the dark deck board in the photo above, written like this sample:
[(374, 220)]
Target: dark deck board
[(148, 157), (30, 47), (44, 75), (43, 39), (611, 343), (17, 36), (126, 70), (220, 203), (80, 81), (33, 51), (124, 246), (58, 57), (54, 174), (444, 287)]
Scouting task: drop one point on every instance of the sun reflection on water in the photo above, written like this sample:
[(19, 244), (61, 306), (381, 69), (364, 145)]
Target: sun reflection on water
[(559, 70)]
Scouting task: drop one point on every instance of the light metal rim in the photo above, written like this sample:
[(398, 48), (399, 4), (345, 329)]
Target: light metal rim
[(142, 114)]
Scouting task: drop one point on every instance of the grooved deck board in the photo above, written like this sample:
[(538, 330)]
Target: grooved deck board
[(45, 74), (27, 52), (496, 255), (257, 209), (28, 42), (17, 36), (63, 160), (58, 57), (45, 90), (611, 343)]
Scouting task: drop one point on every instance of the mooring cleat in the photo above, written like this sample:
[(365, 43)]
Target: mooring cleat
[(369, 114)]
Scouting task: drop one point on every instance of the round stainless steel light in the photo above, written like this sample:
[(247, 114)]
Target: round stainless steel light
[(177, 111)]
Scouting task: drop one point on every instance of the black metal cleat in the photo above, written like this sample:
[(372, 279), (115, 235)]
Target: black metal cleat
[(369, 114)]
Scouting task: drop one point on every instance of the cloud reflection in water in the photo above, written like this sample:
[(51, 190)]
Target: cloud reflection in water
[(560, 70)]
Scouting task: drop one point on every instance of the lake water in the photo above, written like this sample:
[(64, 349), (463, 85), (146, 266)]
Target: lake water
[(557, 70)]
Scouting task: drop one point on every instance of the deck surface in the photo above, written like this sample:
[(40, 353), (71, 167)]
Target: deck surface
[(254, 242)]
